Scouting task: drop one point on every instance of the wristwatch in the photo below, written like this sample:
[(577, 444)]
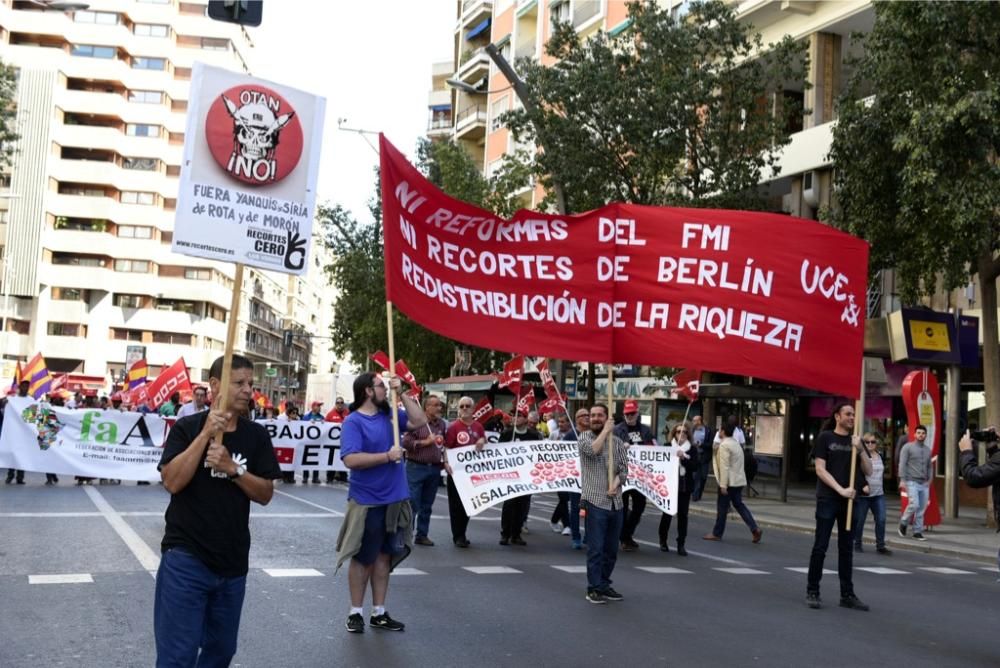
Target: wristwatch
[(240, 470)]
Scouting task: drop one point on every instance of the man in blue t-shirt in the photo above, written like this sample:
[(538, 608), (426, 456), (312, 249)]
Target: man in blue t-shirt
[(378, 488)]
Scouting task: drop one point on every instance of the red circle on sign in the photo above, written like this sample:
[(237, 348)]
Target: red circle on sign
[(254, 134), (463, 438)]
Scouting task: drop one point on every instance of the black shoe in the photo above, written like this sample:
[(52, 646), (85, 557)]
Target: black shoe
[(858, 548), (883, 550), (853, 602), (462, 542), (916, 536), (813, 600), (142, 483), (385, 622), (355, 623), (505, 541), (901, 530), (49, 483), (517, 540), (664, 547), (629, 546), (681, 552), (21, 482), (424, 540), (612, 595), (9, 480), (596, 597)]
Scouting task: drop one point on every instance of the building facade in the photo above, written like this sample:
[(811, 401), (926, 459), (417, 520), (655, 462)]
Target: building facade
[(89, 206)]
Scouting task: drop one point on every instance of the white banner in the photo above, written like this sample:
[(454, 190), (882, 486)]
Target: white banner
[(248, 179), (504, 471), (306, 446)]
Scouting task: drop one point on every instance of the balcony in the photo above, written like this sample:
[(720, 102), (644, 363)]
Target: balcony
[(439, 127), (475, 66), (471, 123), (474, 12), (808, 150)]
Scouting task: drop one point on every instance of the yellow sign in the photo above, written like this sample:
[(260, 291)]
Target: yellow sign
[(929, 336)]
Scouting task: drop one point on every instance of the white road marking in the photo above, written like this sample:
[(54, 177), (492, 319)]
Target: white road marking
[(408, 571), (944, 570), (991, 569), (571, 569), (65, 578), (84, 514), (490, 570), (336, 513), (881, 570), (149, 560), (723, 560), (664, 570), (292, 572), (805, 570), (741, 571)]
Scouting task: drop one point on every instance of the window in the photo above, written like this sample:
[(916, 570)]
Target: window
[(127, 301), (18, 326), (143, 130), (197, 274), (215, 313), (134, 197), (63, 329), (177, 305), (151, 30), (91, 51), (135, 232), (505, 49), (144, 63), (214, 44), (132, 266), (145, 96), (497, 110), (584, 10), (78, 260), (100, 18), (83, 191), (126, 334), (141, 164), (560, 12), (70, 294), (174, 338)]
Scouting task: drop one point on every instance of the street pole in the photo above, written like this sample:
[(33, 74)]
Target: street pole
[(951, 438)]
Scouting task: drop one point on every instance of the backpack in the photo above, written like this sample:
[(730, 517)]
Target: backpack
[(749, 466)]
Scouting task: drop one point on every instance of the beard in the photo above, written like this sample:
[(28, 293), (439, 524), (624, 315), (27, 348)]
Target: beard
[(381, 405)]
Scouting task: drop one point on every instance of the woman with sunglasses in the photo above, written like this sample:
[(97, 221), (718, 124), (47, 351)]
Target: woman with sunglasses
[(872, 497), (681, 445)]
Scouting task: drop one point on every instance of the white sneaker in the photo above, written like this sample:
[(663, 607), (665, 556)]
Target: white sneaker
[(556, 527), (567, 532)]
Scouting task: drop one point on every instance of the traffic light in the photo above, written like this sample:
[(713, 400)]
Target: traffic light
[(244, 12), (288, 338)]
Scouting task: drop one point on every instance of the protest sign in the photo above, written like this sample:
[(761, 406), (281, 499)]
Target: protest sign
[(747, 293), (306, 446), (504, 471)]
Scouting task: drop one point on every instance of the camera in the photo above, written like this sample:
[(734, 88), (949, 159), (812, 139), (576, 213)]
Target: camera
[(984, 436)]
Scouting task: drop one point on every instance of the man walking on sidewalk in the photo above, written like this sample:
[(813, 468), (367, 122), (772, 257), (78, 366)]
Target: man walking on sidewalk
[(833, 452), (915, 473), (731, 478)]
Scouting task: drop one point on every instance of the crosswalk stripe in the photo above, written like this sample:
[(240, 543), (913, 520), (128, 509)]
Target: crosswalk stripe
[(490, 570), (571, 569), (293, 572), (881, 570), (741, 571), (805, 570), (61, 578), (664, 570), (408, 571), (944, 570)]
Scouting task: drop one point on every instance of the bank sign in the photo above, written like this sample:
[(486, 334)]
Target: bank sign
[(248, 178)]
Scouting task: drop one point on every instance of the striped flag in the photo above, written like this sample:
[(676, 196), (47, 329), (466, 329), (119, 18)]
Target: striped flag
[(17, 379), (138, 374), (38, 374)]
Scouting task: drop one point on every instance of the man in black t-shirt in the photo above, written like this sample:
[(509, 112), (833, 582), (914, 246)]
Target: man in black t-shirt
[(833, 452), (213, 465), (632, 432)]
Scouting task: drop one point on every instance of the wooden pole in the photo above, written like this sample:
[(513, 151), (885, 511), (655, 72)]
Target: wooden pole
[(611, 415), (231, 330), (859, 418), (391, 373)]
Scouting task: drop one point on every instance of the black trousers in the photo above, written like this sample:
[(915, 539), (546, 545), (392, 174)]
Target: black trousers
[(512, 516), (830, 511), (456, 511), (633, 503), (683, 504)]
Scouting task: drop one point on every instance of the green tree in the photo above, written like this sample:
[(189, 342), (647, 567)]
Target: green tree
[(917, 173), (358, 271), (8, 112), (668, 112)]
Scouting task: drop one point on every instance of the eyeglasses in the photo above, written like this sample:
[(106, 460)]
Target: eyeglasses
[(682, 431), (465, 405), (870, 441)]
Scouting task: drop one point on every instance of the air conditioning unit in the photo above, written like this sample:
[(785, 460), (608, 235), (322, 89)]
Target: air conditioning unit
[(811, 188)]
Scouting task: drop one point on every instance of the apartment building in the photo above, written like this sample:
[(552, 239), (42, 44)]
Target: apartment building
[(90, 200)]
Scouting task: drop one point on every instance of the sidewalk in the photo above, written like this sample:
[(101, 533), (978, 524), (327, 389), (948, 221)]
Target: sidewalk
[(966, 537)]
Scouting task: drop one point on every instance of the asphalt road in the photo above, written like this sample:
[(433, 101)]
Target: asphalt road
[(728, 603)]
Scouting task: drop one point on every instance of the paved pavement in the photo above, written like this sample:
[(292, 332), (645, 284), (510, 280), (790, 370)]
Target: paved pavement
[(76, 590)]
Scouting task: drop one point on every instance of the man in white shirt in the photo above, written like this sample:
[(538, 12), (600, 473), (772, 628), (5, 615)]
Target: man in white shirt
[(733, 422), (196, 406)]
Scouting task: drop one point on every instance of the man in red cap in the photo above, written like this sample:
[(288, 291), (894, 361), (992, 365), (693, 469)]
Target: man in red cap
[(337, 414), (316, 412), (632, 432), (515, 511)]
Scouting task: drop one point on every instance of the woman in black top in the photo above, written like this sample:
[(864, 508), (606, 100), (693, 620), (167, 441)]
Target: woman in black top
[(679, 438)]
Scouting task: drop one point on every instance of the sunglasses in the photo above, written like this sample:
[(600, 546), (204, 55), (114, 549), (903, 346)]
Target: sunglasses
[(871, 441)]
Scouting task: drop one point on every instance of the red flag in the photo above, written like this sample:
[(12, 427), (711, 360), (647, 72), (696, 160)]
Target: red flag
[(548, 382), (407, 376), (552, 406), (380, 358), (174, 378), (687, 383), (284, 455), (527, 398), (513, 372), (483, 411)]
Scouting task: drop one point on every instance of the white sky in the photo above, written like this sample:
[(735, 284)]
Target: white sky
[(371, 60)]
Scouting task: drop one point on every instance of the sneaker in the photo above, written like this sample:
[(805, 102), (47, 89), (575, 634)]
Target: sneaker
[(566, 531), (556, 527), (385, 622), (901, 530), (611, 595), (853, 602), (918, 536), (424, 540), (883, 550), (813, 600), (577, 544), (517, 540), (756, 533), (596, 597), (355, 623)]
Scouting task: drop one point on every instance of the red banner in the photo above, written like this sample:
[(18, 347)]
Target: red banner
[(746, 293), (172, 379), (513, 372)]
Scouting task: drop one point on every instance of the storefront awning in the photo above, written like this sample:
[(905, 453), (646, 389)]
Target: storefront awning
[(478, 29)]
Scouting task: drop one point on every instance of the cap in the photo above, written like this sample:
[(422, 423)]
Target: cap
[(631, 406), (117, 396), (317, 403)]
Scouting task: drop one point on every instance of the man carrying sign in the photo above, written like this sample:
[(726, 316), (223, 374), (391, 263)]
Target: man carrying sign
[(464, 431), (603, 500), (214, 464)]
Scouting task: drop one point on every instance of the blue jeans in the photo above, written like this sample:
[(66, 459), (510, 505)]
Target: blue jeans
[(195, 608), (877, 505), (918, 494), (735, 497), (567, 511), (603, 529), (423, 480), (830, 511)]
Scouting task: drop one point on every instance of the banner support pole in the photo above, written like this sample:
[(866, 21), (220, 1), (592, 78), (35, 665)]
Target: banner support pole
[(231, 329), (611, 416), (859, 418), (391, 372)]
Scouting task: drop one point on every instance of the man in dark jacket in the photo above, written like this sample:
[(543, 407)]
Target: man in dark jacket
[(982, 476), (514, 511), (702, 437), (632, 432)]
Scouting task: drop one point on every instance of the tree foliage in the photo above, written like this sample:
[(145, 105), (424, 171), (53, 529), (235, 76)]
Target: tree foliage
[(8, 113), (358, 271), (674, 112), (917, 173)]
